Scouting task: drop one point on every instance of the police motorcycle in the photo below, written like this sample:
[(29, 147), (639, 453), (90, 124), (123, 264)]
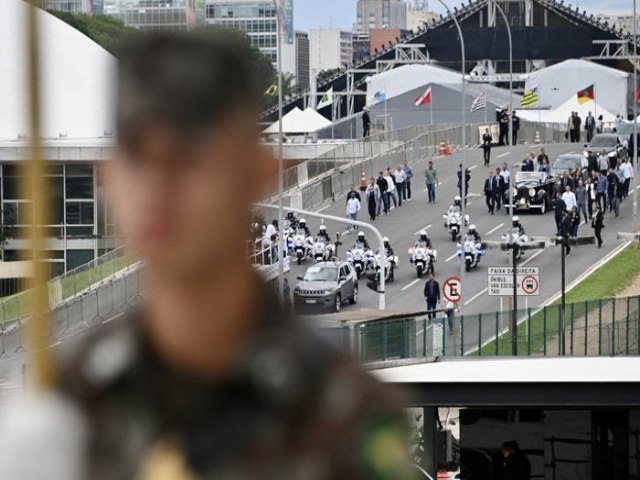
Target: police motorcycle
[(323, 250), (472, 250), (360, 256), (453, 219), (515, 236), (302, 243), (391, 262), (423, 256)]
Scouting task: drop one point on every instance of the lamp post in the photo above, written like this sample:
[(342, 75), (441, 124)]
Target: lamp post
[(513, 246), (281, 247), (463, 173)]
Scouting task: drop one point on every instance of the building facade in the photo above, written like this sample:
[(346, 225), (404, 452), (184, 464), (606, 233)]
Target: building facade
[(373, 14), (361, 44), (82, 225), (302, 60), (153, 15), (418, 14), (71, 6), (330, 49), (259, 20)]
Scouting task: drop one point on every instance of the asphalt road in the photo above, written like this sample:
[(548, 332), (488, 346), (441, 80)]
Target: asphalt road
[(403, 224)]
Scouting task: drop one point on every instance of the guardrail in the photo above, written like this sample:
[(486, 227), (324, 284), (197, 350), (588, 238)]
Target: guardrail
[(607, 327)]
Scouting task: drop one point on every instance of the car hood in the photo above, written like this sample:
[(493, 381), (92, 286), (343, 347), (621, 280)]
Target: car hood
[(303, 285), (599, 149)]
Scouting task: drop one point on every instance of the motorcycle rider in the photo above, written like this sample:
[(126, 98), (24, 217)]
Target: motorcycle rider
[(517, 225), (472, 234), (388, 250), (323, 235), (456, 207), (302, 227), (361, 242), (423, 240), (290, 221)]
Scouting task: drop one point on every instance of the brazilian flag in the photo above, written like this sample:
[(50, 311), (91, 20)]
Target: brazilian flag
[(272, 91)]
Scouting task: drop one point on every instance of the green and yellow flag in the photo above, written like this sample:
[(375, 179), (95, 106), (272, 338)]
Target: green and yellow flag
[(530, 98), (272, 91)]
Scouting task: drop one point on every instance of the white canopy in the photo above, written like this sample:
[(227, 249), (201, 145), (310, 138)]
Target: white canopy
[(398, 81), (559, 84), (561, 114), (298, 121), (77, 75)]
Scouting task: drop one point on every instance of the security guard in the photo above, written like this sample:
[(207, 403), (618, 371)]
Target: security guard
[(209, 377)]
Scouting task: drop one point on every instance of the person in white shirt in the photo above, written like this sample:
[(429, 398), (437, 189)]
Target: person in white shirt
[(627, 175), (353, 207), (617, 122), (401, 183), (569, 199), (272, 229), (391, 188), (506, 176)]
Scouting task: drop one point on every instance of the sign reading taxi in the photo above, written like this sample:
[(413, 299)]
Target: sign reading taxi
[(500, 281)]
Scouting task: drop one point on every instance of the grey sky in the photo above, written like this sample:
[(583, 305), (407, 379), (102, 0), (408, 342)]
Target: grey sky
[(310, 14)]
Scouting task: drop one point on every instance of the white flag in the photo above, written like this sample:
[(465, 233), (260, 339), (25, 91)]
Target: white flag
[(326, 100)]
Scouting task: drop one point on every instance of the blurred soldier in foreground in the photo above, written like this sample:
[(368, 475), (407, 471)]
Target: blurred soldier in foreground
[(209, 377)]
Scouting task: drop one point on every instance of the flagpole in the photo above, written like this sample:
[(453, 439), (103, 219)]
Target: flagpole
[(485, 108), (431, 106)]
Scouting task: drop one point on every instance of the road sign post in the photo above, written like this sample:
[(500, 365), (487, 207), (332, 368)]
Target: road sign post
[(500, 281)]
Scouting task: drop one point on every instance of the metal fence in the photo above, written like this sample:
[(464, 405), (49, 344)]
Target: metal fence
[(608, 327)]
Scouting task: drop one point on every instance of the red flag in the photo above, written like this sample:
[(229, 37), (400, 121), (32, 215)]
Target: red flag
[(424, 99), (637, 96)]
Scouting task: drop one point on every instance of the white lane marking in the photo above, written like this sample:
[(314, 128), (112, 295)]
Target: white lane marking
[(419, 332), (479, 294), (472, 167), (425, 228), (451, 257), (410, 285), (503, 155), (323, 208), (532, 257), (494, 229), (638, 187)]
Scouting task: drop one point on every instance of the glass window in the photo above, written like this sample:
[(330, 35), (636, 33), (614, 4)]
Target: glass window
[(80, 213), (75, 258)]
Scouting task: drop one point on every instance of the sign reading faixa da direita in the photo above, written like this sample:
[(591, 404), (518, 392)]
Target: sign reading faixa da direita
[(500, 281)]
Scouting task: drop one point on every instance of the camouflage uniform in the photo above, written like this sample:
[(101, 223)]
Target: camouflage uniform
[(295, 409)]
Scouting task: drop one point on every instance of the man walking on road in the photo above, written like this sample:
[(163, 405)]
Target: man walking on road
[(486, 146), (598, 224), (432, 181), (353, 207), (498, 189), (489, 192), (401, 183), (589, 126), (432, 295), (408, 173)]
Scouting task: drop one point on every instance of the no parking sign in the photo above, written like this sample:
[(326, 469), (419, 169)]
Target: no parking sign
[(452, 289)]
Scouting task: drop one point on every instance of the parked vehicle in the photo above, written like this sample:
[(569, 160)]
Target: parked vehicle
[(611, 143)]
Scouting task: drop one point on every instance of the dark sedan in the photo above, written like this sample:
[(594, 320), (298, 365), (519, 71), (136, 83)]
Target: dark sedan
[(533, 191), (568, 161), (325, 287), (611, 144)]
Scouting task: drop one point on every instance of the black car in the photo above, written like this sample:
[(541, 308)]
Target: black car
[(325, 287), (533, 191), (612, 144)]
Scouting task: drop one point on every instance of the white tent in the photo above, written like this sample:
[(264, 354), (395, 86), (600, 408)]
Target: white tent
[(558, 86), (561, 114), (77, 77), (403, 79), (297, 121)]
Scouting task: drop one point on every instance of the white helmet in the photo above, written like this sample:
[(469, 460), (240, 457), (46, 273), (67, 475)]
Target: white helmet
[(385, 239), (323, 228), (457, 198), (472, 228), (302, 220), (423, 232), (516, 219), (360, 234)]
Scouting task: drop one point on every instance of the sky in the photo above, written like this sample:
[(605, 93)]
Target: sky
[(310, 14)]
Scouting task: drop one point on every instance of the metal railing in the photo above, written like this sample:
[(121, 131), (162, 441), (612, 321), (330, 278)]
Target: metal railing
[(608, 327)]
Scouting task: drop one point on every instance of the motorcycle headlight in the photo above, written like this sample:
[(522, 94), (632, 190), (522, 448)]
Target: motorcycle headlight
[(532, 192), (514, 192)]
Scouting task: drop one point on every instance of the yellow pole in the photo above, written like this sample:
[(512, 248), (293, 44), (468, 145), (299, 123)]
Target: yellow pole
[(35, 188)]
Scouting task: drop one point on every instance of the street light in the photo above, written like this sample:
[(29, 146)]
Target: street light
[(281, 246), (463, 173), (514, 246)]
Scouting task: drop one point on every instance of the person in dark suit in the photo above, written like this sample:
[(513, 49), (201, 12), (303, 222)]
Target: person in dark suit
[(486, 146), (504, 128), (432, 295), (528, 164), (515, 125), (498, 189), (366, 122), (597, 222), (515, 464), (489, 191)]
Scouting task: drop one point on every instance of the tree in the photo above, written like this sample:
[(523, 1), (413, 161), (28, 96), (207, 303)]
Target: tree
[(325, 75)]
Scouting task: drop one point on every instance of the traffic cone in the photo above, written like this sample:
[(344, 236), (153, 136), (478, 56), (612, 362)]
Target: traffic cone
[(443, 149), (537, 139)]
